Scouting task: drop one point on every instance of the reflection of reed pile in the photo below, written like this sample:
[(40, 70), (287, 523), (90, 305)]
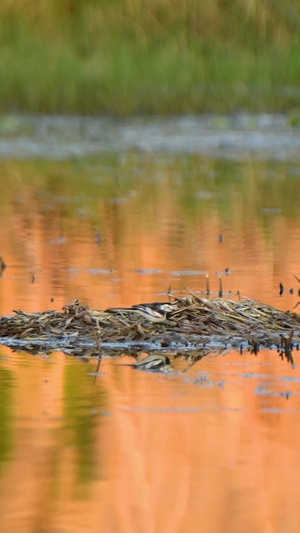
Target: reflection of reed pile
[(187, 324)]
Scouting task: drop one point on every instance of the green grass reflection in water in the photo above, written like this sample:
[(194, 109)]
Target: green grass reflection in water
[(84, 404), (6, 416)]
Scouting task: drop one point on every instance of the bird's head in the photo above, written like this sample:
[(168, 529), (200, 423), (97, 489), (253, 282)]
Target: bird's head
[(166, 307)]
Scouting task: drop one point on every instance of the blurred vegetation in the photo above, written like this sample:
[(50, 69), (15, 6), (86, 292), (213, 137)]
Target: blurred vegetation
[(149, 56)]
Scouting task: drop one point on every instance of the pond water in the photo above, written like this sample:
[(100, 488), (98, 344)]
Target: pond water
[(209, 447)]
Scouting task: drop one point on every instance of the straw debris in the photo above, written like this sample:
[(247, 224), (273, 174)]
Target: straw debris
[(194, 327)]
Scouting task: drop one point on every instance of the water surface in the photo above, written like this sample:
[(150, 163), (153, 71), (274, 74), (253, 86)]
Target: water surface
[(211, 446)]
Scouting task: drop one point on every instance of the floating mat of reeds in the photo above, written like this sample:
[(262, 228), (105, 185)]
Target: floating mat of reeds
[(193, 324)]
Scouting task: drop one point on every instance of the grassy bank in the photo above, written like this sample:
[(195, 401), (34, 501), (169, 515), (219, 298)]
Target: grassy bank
[(149, 56)]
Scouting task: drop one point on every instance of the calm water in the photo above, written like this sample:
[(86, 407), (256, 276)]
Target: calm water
[(210, 447)]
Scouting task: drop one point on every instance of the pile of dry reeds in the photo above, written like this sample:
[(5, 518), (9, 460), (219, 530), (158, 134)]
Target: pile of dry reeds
[(196, 324)]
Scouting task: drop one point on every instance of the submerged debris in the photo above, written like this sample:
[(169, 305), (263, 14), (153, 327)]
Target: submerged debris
[(3, 265), (191, 327)]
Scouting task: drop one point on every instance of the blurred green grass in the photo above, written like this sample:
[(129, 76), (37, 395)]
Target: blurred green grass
[(125, 57)]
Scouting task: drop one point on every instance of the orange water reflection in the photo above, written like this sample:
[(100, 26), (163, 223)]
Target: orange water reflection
[(209, 448), (159, 226), (158, 453)]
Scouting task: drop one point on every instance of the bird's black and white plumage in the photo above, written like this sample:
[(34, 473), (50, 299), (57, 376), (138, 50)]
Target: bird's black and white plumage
[(154, 312)]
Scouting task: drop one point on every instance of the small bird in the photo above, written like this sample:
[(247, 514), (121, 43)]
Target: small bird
[(154, 312)]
